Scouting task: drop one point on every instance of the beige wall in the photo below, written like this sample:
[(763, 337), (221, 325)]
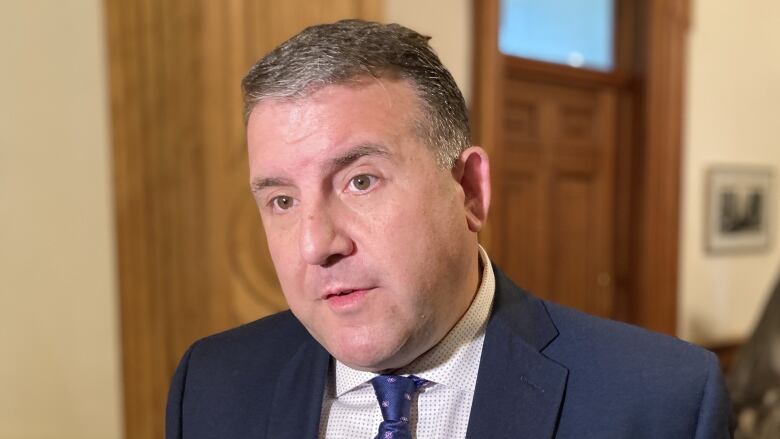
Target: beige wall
[(449, 22), (733, 112), (59, 355)]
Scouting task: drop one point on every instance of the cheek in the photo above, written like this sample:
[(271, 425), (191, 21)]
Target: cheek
[(286, 259), (432, 246), (425, 230)]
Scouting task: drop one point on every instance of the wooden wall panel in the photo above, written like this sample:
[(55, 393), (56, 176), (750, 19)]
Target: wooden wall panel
[(192, 256)]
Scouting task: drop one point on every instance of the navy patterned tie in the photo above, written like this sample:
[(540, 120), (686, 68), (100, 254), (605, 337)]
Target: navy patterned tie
[(395, 394)]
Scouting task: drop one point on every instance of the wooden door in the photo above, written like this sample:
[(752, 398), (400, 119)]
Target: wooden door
[(554, 201), (192, 256), (585, 165)]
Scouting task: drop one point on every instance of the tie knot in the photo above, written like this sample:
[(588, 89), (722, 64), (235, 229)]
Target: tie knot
[(395, 394)]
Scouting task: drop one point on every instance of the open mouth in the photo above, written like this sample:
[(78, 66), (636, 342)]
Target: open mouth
[(340, 293)]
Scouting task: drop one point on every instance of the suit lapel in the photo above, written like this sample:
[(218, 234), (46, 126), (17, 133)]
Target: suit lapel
[(297, 400), (519, 390)]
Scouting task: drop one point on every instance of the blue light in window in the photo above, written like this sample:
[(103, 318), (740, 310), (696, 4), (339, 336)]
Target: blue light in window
[(578, 33)]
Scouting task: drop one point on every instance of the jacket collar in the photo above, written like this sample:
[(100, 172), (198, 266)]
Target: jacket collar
[(519, 390), (296, 403)]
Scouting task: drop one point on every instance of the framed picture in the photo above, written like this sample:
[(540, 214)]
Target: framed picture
[(739, 207)]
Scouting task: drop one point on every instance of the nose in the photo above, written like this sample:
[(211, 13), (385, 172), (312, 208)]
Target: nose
[(322, 242)]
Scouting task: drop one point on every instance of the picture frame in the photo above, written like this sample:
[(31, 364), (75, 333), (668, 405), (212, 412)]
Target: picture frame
[(740, 203)]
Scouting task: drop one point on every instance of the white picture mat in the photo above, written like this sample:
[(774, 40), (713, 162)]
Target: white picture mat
[(740, 185)]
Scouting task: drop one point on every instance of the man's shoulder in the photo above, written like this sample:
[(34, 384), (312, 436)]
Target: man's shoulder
[(637, 376), (226, 384), (584, 341), (674, 387), (581, 341)]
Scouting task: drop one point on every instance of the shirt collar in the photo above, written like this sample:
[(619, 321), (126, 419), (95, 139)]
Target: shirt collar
[(452, 352)]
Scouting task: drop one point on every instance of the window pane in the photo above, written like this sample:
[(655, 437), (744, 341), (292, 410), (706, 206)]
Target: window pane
[(578, 33)]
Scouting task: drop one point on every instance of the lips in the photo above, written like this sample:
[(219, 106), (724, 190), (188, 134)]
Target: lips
[(346, 300), (340, 293)]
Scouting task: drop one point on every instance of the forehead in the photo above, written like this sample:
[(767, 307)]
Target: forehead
[(336, 117)]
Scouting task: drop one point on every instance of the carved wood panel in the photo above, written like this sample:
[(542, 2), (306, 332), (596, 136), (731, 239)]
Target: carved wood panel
[(192, 255), (555, 194)]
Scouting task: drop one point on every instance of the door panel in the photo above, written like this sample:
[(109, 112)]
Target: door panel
[(520, 196), (555, 192)]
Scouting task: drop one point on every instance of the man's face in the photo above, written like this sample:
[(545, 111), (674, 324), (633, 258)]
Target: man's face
[(368, 236)]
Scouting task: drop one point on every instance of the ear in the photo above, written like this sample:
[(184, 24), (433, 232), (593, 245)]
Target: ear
[(472, 172)]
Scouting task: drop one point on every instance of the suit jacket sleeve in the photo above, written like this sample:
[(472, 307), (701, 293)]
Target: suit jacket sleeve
[(173, 414), (715, 416)]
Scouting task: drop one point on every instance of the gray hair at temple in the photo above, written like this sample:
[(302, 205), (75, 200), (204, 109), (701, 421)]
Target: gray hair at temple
[(345, 51)]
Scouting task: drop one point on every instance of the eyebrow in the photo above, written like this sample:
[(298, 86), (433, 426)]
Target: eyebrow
[(259, 184), (355, 154), (339, 162)]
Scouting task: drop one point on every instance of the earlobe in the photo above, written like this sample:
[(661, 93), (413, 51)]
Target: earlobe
[(473, 172)]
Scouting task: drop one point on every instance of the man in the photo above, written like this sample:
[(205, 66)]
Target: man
[(399, 324)]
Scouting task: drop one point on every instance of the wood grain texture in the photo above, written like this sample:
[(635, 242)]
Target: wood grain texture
[(658, 166), (644, 97), (554, 209), (191, 251)]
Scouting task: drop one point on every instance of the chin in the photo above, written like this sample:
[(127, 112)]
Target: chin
[(370, 358), (362, 360)]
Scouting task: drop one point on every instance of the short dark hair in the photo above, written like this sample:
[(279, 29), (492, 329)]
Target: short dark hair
[(342, 52)]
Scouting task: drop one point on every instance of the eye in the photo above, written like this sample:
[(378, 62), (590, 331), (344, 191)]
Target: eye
[(282, 202), (362, 182)]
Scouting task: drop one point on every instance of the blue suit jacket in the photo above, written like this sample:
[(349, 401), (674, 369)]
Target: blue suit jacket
[(546, 372)]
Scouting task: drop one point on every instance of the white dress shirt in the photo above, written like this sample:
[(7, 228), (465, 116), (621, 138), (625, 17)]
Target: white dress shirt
[(441, 409)]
